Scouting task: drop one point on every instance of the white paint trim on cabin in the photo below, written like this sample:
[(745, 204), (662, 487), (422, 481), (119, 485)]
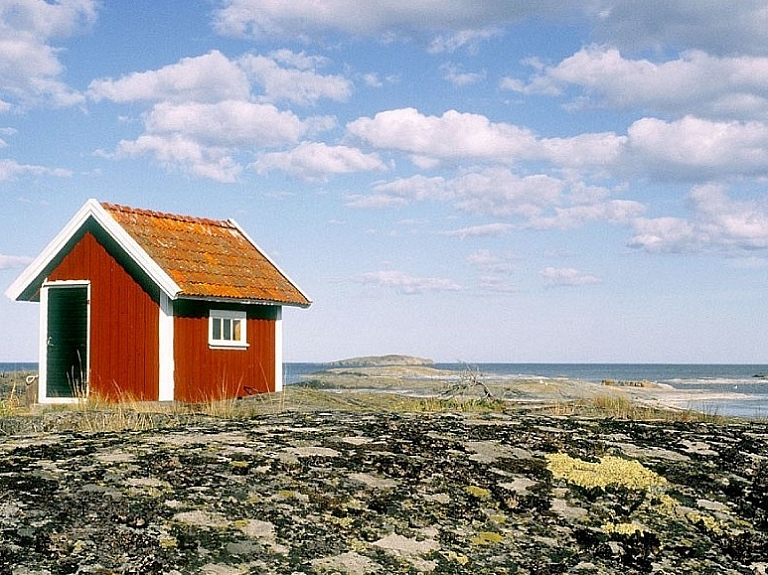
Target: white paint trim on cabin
[(279, 350), (42, 388), (219, 314), (231, 300), (166, 384), (42, 357), (92, 209)]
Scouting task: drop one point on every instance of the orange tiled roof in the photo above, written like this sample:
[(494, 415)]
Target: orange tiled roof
[(207, 258)]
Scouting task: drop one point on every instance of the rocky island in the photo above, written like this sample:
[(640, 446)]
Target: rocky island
[(381, 361)]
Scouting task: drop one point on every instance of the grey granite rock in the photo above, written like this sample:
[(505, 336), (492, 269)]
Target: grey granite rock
[(358, 493)]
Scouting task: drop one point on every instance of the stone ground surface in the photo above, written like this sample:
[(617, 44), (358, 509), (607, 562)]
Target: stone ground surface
[(378, 492)]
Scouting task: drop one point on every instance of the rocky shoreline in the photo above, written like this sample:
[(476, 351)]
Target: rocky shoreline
[(380, 492)]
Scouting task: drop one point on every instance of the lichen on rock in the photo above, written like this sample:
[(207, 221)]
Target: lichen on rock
[(609, 471), (382, 492)]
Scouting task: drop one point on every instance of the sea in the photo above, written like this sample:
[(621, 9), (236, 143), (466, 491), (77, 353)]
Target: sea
[(746, 384)]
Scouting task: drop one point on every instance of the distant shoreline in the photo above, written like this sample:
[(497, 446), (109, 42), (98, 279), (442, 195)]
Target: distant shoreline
[(14, 366), (728, 390), (723, 389)]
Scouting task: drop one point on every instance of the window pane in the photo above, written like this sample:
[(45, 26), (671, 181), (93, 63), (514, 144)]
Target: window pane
[(216, 325), (236, 330), (227, 329)]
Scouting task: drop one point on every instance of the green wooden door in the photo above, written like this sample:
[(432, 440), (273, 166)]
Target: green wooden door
[(67, 342)]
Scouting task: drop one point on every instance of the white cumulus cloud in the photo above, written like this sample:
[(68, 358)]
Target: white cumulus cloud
[(557, 277), (494, 229), (30, 68), (488, 262), (471, 38), (403, 191), (454, 74), (407, 284), (11, 262), (453, 135), (699, 149), (719, 87), (460, 136), (498, 192), (294, 84), (541, 201), (208, 111), (455, 23), (718, 222), (205, 139), (611, 211), (311, 160), (10, 169), (176, 152), (227, 123), (209, 78), (493, 192), (714, 27)]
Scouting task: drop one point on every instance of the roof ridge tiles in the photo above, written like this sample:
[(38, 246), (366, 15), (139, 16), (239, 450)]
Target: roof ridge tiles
[(164, 215)]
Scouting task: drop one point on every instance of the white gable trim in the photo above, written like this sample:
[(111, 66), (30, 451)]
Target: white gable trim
[(93, 209), (269, 259)]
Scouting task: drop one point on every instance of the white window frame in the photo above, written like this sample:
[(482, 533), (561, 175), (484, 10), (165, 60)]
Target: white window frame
[(228, 315)]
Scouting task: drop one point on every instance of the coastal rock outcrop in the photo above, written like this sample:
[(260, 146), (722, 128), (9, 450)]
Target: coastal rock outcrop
[(381, 361), (382, 492)]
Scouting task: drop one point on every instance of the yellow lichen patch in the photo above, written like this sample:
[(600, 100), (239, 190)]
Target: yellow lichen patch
[(613, 471), (290, 494), (342, 522), (666, 504), (708, 523), (477, 492), (487, 538), (453, 556), (622, 528)]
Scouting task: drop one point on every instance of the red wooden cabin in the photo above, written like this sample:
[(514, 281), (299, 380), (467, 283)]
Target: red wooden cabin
[(150, 306)]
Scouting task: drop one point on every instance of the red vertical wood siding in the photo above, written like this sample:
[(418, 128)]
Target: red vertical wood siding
[(203, 373), (124, 324)]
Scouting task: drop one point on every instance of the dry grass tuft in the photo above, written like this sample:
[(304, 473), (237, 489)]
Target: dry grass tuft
[(619, 406), (469, 394)]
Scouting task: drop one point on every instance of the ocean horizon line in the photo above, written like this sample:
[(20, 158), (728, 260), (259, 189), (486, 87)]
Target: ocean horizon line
[(35, 364)]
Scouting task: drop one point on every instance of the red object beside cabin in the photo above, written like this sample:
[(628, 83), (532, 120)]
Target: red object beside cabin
[(147, 306)]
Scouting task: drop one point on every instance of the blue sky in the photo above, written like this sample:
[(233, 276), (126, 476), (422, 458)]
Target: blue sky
[(465, 180)]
